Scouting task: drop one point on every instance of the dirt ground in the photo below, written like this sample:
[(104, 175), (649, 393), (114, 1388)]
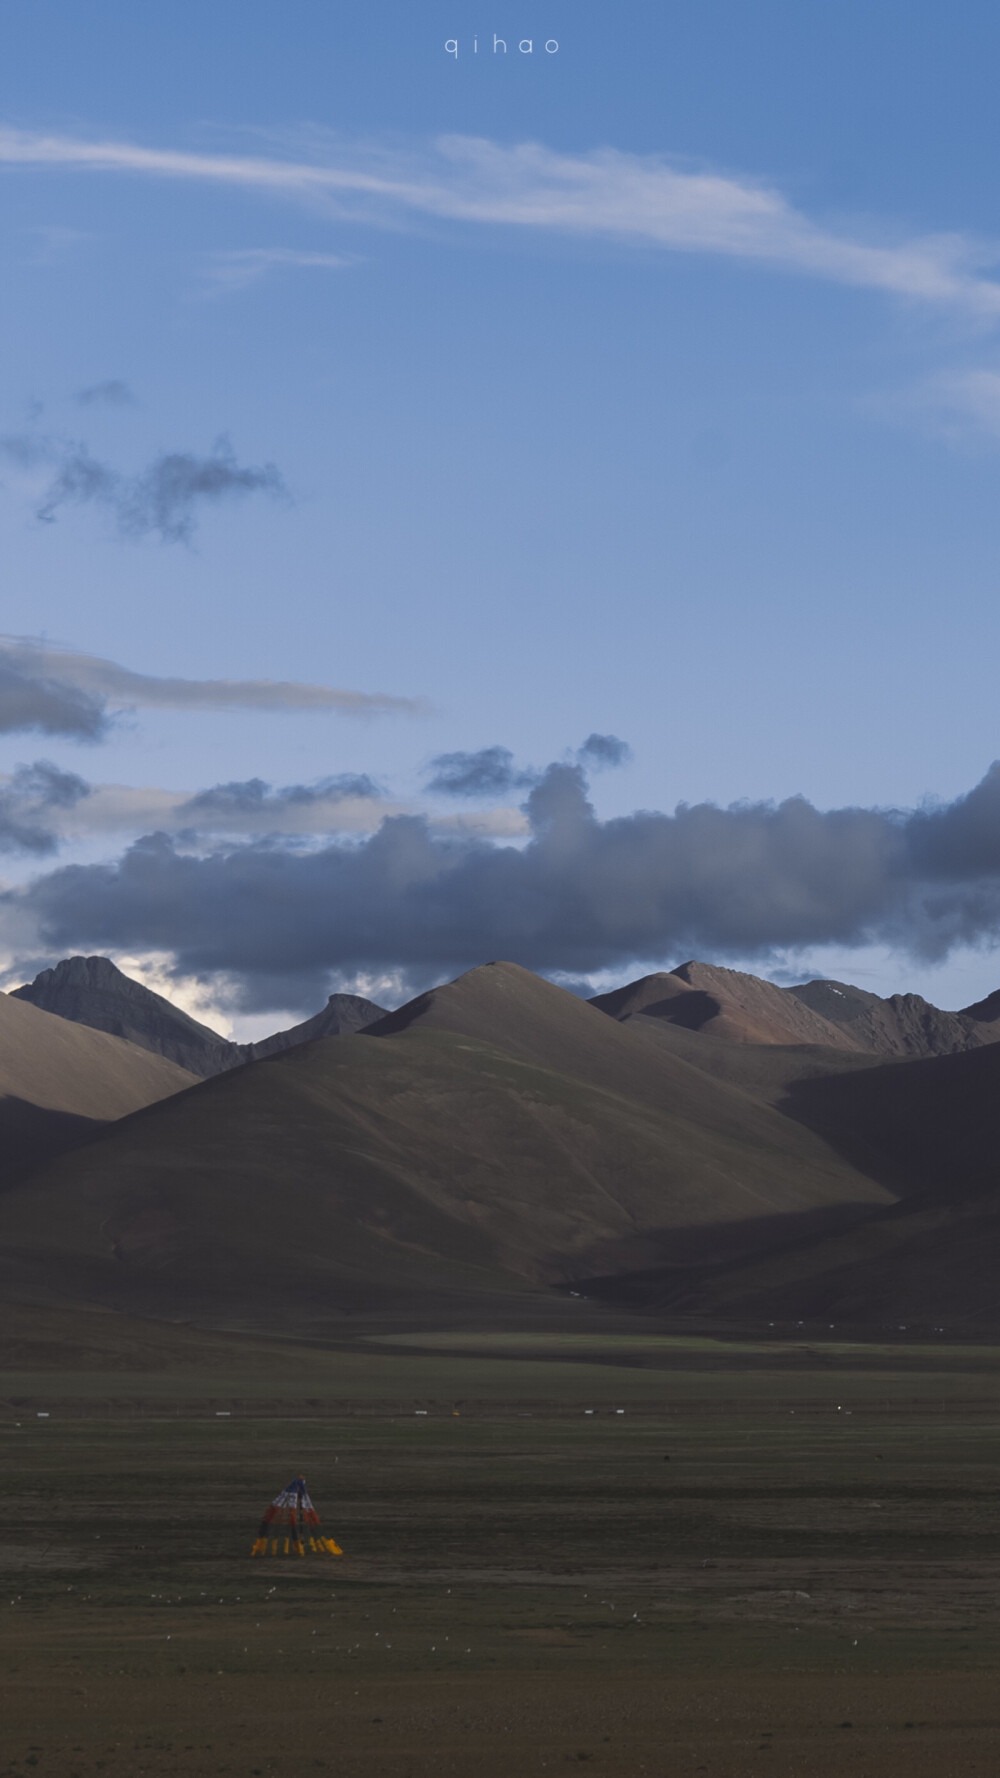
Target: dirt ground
[(714, 1581)]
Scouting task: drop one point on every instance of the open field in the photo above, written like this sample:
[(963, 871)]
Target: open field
[(780, 1559)]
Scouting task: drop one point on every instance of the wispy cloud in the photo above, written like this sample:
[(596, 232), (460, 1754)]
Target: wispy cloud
[(61, 691), (240, 267), (51, 244), (164, 499), (343, 805), (643, 199), (111, 393), (964, 399)]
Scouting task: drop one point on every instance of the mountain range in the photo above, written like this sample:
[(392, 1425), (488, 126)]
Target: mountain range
[(93, 991), (696, 1142)]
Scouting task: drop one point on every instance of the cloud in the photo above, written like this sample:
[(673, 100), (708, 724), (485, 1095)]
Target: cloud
[(254, 797), (40, 701), (579, 896), (961, 838), (66, 692), (79, 480), (28, 800), (52, 243), (600, 751), (961, 400), (347, 804), (490, 772), (605, 194), (239, 267), (113, 393), (163, 499)]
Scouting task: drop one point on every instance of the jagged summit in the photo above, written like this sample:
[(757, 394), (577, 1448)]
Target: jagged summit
[(343, 1013), (728, 1003), (94, 991), (725, 1003), (904, 1025)]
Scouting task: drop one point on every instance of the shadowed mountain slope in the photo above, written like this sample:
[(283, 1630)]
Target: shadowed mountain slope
[(929, 1129), (423, 1161), (931, 1126), (763, 1070), (92, 991), (904, 1025), (723, 1003), (912, 1267), (342, 1014), (985, 1012), (61, 1083)]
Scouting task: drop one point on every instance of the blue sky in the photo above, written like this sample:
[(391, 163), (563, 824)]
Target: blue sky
[(650, 388)]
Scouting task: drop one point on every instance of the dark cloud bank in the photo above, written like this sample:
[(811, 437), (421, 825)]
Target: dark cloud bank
[(580, 895)]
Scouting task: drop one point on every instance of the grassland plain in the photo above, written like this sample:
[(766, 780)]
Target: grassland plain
[(781, 1558)]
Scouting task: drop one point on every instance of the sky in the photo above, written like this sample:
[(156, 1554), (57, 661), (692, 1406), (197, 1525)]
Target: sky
[(459, 503)]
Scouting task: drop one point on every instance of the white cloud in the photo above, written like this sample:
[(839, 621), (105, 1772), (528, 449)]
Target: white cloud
[(248, 265), (52, 244), (968, 396), (605, 193)]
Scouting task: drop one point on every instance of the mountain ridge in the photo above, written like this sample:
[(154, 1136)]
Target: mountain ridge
[(422, 1159), (93, 991)]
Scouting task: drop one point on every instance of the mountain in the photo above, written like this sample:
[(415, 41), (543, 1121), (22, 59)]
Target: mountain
[(985, 1012), (497, 1139), (92, 991), (724, 1003), (904, 1024), (928, 1129), (342, 1014), (62, 1083), (504, 1004), (496, 1134)]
